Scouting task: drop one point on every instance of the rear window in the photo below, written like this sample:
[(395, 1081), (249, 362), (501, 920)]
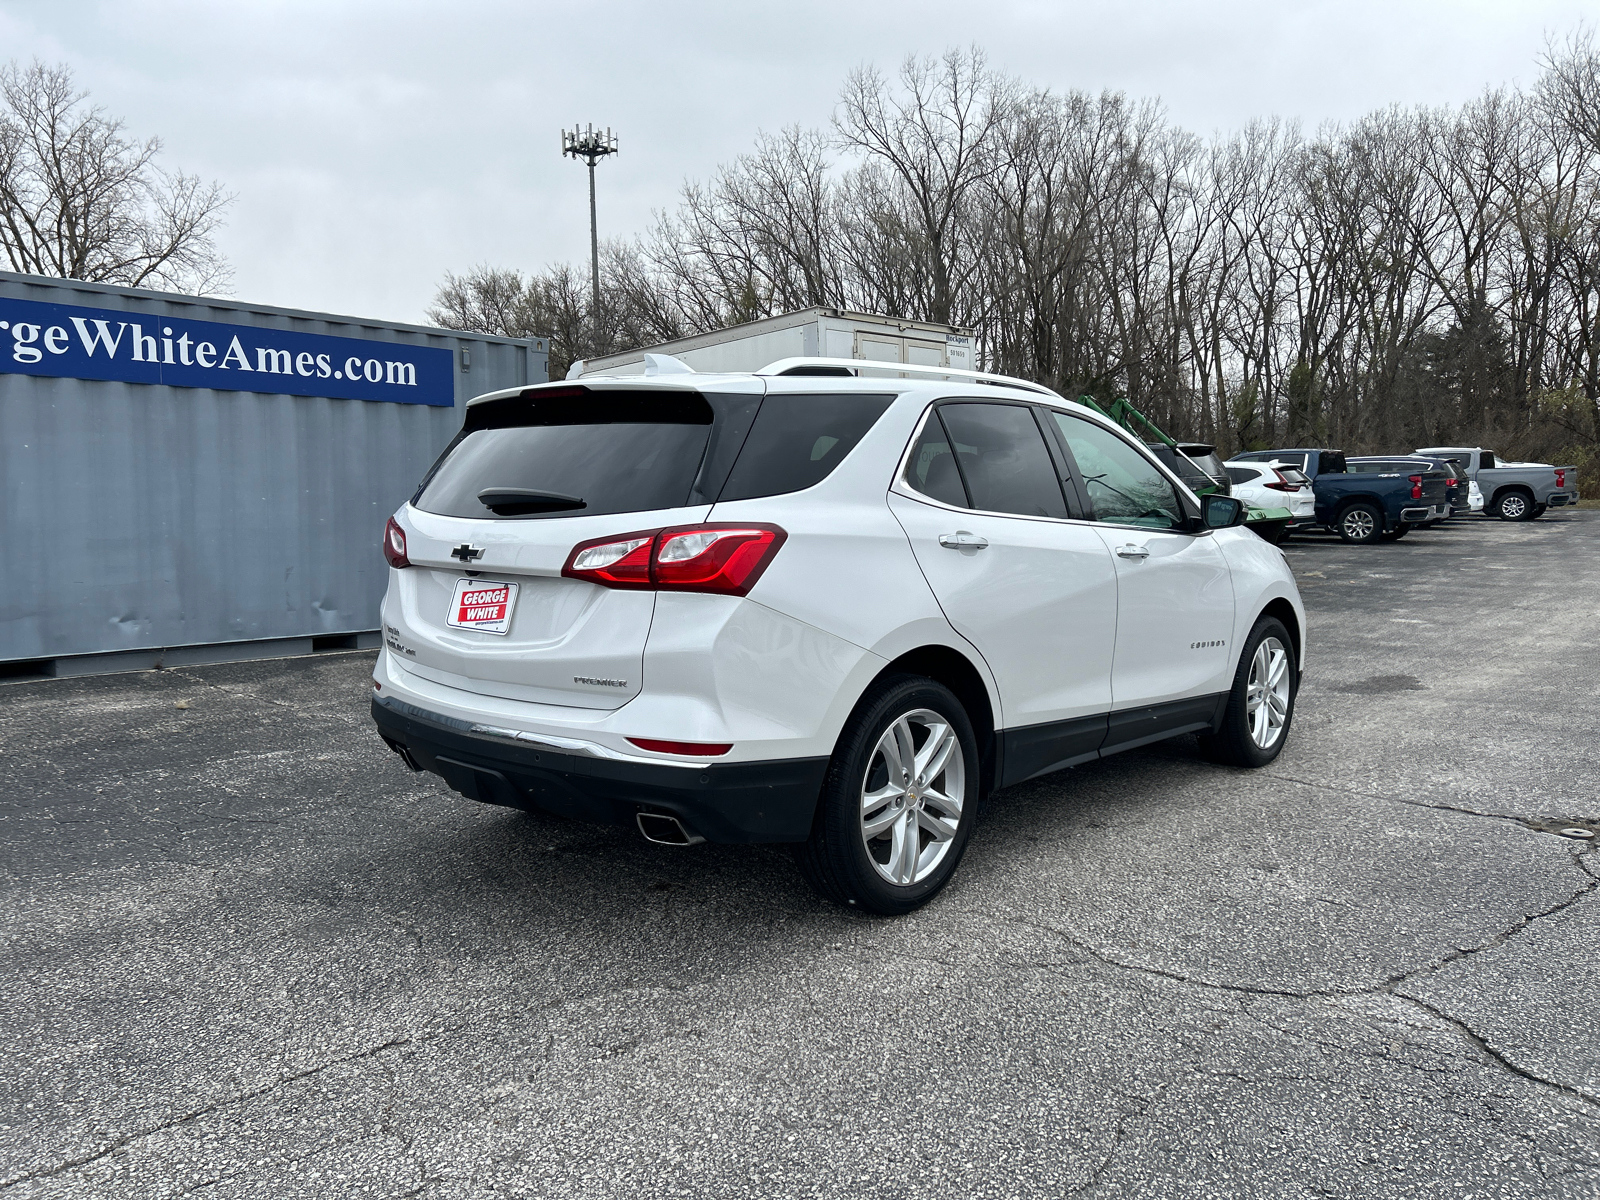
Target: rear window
[(564, 457), (1208, 462), (797, 440)]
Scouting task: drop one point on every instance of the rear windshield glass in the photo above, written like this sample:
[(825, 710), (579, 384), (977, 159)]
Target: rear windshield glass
[(797, 440), (1210, 465), (583, 458)]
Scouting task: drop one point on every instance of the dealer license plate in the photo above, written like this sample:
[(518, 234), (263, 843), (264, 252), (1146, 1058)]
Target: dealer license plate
[(482, 604)]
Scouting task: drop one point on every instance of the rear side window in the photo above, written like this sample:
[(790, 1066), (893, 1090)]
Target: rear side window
[(572, 457), (932, 469), (1003, 459), (797, 440), (1243, 474)]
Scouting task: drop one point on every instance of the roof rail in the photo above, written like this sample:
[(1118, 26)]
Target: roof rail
[(807, 366)]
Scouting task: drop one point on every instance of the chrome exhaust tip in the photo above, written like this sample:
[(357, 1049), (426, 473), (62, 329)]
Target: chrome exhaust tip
[(665, 830)]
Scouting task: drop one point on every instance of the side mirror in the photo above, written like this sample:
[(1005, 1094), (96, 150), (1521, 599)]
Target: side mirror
[(1220, 512)]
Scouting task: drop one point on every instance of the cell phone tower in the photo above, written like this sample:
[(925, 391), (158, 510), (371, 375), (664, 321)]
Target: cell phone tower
[(591, 146)]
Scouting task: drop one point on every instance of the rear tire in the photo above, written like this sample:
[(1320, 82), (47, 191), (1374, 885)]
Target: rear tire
[(894, 818), (1395, 534), (1261, 702), (1514, 506), (1360, 524), (1538, 511)]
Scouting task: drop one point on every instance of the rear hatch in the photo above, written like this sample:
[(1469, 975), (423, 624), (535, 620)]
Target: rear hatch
[(484, 606)]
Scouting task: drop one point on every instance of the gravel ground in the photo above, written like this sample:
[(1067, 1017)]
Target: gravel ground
[(246, 953)]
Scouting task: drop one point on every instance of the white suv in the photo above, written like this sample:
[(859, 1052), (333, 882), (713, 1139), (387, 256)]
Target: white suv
[(804, 606)]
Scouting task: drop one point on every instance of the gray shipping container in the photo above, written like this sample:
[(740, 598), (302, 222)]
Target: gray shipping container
[(159, 510)]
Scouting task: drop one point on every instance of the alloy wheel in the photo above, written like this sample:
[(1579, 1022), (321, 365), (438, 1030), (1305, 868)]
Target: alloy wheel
[(1358, 524), (1513, 506), (1266, 703), (912, 796)]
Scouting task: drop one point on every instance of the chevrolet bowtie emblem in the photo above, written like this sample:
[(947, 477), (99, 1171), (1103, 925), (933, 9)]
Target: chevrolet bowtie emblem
[(466, 553)]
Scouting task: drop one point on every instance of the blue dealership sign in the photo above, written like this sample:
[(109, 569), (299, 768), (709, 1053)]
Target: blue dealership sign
[(67, 341)]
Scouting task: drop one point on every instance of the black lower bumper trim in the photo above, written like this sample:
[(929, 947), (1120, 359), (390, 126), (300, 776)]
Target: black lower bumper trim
[(771, 801)]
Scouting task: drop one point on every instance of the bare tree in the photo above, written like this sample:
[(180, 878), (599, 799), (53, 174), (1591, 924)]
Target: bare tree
[(80, 200), (934, 135)]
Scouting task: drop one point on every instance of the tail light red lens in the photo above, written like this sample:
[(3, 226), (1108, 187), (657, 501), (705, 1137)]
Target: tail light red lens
[(1561, 478), (394, 544), (723, 559), (698, 749), (621, 562), (1416, 486), (1282, 484), (707, 559)]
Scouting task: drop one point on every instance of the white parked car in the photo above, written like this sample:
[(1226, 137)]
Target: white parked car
[(803, 606), (1274, 485)]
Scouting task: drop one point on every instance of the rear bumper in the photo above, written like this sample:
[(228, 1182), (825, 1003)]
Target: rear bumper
[(770, 801), (1415, 516)]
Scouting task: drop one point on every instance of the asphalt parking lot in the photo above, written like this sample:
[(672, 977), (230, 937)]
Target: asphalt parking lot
[(246, 953)]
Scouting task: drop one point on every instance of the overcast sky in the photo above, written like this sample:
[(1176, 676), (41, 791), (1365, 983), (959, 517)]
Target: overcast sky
[(373, 146)]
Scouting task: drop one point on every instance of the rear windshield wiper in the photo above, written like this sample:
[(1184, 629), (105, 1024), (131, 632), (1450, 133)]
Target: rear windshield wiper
[(511, 502)]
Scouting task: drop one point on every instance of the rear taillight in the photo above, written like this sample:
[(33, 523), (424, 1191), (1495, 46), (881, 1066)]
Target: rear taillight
[(1282, 485), (698, 749), (724, 559), (394, 544), (622, 562), (1561, 478), (1416, 486)]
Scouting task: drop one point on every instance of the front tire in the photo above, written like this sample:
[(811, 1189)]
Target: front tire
[(899, 799), (1260, 709), (1360, 524)]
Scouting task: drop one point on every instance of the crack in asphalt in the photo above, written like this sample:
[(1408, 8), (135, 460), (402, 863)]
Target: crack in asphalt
[(1477, 1041), (1450, 808), (140, 1134)]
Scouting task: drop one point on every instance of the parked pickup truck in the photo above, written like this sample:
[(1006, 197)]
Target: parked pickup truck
[(1363, 507), (1512, 491), (1455, 489)]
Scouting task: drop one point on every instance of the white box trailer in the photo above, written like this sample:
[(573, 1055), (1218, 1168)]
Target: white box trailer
[(809, 333)]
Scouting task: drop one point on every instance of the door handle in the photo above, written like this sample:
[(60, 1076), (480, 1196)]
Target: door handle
[(962, 539), (1132, 551)]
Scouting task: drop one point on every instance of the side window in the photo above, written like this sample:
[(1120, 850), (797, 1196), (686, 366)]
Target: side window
[(1003, 459), (1243, 474), (1124, 486), (932, 469), (797, 440)]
